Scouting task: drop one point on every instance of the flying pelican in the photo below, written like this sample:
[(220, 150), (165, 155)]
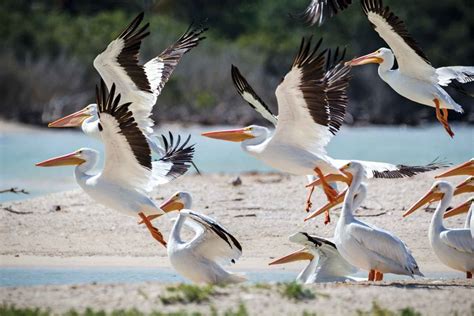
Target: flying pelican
[(128, 174), (325, 262), (453, 247), (466, 207), (465, 169), (415, 79), (139, 84), (366, 246), (312, 100), (200, 259)]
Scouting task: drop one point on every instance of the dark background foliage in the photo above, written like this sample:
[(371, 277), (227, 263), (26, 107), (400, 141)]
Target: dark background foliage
[(48, 48)]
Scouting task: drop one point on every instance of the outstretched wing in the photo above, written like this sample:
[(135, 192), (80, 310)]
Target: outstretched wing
[(461, 74), (160, 68), (215, 242), (175, 161), (319, 10), (127, 153), (252, 98), (411, 59), (312, 100)]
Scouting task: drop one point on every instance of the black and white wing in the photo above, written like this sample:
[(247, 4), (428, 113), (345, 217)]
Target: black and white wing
[(385, 170), (461, 74), (311, 99), (319, 10), (212, 240), (160, 68), (127, 158), (252, 98), (176, 160), (410, 58)]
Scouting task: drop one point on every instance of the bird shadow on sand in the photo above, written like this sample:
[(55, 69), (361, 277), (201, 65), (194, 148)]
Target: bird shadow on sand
[(437, 285)]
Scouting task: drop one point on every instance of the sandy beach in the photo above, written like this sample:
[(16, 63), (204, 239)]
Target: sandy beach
[(68, 229)]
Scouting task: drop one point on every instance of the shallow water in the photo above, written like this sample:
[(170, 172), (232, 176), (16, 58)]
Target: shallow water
[(14, 276), (20, 150)]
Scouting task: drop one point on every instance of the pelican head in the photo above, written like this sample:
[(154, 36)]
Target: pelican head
[(299, 255), (460, 209), (75, 158), (76, 118), (178, 201), (378, 57), (238, 135), (437, 191)]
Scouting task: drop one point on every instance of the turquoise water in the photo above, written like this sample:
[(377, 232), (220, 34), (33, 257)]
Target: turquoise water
[(15, 276), (19, 151)]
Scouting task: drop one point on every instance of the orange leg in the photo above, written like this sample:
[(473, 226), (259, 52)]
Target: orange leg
[(308, 200), (469, 275), (155, 233), (371, 276), (331, 194), (150, 218), (442, 116), (378, 276)]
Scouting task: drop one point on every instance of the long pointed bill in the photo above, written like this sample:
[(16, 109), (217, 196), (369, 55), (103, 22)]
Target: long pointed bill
[(339, 199), (172, 204), (429, 197), (232, 135), (330, 178), (466, 169), (67, 160), (298, 255), (74, 119), (465, 187), (463, 208), (367, 59)]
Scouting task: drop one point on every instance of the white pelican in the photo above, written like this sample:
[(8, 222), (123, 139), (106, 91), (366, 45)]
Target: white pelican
[(127, 175), (138, 84), (453, 247), (366, 246), (466, 207), (464, 169), (415, 79), (312, 100), (200, 259), (325, 262)]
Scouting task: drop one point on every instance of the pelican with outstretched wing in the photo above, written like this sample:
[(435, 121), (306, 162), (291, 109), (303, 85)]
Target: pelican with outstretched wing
[(312, 101), (201, 258), (128, 173), (139, 84), (415, 79), (453, 247)]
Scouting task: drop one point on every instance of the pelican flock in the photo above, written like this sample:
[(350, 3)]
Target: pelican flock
[(312, 102)]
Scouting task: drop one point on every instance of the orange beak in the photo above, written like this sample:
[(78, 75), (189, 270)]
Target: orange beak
[(367, 59), (232, 135), (429, 197), (67, 160), (172, 204), (465, 169), (72, 120), (298, 255), (463, 208), (332, 178), (465, 187), (329, 205)]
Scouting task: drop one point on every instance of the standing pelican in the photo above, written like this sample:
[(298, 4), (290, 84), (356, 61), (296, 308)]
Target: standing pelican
[(415, 79), (466, 207), (200, 259), (127, 176), (139, 84), (325, 262), (312, 100), (453, 247), (366, 246)]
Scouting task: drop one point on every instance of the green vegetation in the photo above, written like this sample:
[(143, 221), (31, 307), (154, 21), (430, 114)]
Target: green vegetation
[(377, 310), (296, 291), (187, 293), (48, 47)]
